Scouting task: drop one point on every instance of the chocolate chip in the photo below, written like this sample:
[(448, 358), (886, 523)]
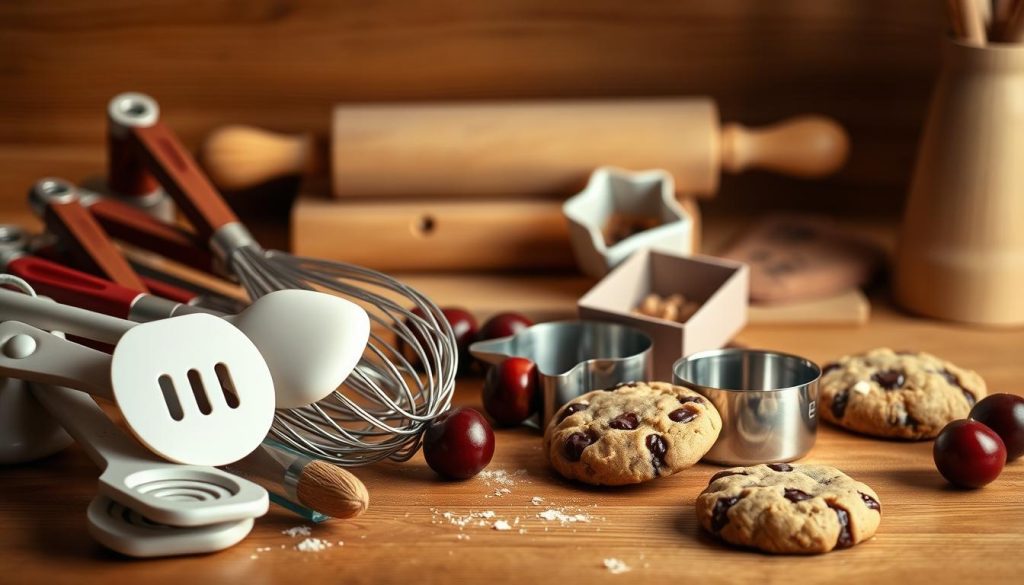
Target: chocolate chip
[(795, 495), (780, 268), (793, 233), (950, 377), (572, 409), (689, 399), (575, 444), (911, 422), (829, 367), (955, 380), (870, 502), (719, 515), (658, 447), (839, 402), (780, 467), (625, 422), (725, 473), (889, 379), (759, 255), (682, 415), (620, 385), (845, 539)]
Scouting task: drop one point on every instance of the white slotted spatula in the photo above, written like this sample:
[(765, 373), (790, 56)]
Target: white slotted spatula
[(168, 493), (193, 389)]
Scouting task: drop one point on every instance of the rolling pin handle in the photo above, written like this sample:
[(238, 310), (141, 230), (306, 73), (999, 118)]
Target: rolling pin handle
[(803, 146), (238, 157)]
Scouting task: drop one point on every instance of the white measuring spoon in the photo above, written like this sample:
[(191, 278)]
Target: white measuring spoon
[(126, 531), (177, 495), (193, 388)]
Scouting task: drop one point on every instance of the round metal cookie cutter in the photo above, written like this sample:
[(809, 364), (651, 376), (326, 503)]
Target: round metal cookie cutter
[(767, 400)]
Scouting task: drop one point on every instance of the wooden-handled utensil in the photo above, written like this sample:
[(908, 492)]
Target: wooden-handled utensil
[(524, 149)]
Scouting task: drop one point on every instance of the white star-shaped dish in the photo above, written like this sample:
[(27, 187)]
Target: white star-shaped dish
[(612, 191)]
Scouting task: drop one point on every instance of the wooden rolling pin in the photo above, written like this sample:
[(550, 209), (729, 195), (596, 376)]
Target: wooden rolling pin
[(524, 149)]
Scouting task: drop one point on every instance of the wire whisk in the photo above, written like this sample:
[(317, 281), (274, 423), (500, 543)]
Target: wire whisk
[(382, 409)]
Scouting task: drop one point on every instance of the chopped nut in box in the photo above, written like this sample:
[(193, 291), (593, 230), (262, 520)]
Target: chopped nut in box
[(718, 287)]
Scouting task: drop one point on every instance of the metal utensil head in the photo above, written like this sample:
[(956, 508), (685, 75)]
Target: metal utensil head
[(767, 400), (574, 357)]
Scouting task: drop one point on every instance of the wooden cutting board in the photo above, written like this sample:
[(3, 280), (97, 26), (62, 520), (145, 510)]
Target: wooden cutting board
[(440, 235)]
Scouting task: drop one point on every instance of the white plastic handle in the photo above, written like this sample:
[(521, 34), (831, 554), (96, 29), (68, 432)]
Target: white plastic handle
[(84, 420), (46, 314), (31, 354)]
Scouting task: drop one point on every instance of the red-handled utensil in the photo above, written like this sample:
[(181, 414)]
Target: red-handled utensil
[(86, 241), (132, 225), (72, 287), (57, 203), (171, 163)]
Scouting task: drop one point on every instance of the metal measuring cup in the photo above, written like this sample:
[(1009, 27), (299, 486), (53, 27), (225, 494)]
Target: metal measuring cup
[(767, 400), (574, 357)]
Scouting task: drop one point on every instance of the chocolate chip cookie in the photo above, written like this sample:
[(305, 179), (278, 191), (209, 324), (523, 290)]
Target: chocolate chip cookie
[(782, 508), (631, 433), (897, 394)]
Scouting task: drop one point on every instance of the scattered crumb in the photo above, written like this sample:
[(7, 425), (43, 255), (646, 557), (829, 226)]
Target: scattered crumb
[(260, 549), (500, 477), (363, 536), (552, 514), (537, 500), (296, 531), (313, 545), (341, 543), (478, 518), (501, 525), (462, 536), (522, 531), (254, 556), (616, 566)]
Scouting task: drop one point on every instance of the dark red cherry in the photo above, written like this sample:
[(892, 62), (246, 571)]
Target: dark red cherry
[(463, 325), (503, 325), (510, 393), (1004, 414), (969, 454), (459, 443)]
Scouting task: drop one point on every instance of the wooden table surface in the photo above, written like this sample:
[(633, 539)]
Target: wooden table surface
[(929, 532)]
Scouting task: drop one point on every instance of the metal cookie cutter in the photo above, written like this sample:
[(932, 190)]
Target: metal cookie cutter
[(574, 357), (768, 402)]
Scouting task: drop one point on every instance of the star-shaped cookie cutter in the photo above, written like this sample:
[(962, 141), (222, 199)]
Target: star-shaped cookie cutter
[(612, 191)]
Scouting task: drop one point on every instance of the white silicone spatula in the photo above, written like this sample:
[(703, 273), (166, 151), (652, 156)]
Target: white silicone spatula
[(168, 493), (193, 389)]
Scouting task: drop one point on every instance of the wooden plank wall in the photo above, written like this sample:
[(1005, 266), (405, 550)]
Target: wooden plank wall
[(282, 63)]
